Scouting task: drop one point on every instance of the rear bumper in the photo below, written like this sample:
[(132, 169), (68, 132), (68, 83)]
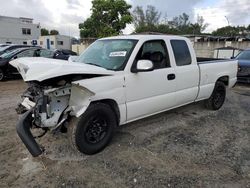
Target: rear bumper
[(23, 130)]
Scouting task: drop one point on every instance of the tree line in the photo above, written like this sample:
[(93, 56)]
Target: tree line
[(45, 32), (110, 17), (150, 21)]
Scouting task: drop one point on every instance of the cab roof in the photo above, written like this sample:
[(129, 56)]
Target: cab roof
[(143, 37)]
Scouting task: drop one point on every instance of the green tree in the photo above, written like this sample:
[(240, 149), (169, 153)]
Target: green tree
[(108, 18), (54, 32), (149, 21), (184, 26), (44, 32), (248, 27), (201, 23), (139, 17), (181, 21), (231, 31), (146, 21), (198, 27)]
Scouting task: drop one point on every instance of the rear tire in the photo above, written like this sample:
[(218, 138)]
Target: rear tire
[(217, 98), (93, 131), (2, 75)]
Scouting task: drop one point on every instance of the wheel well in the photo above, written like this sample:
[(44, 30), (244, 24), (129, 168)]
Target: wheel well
[(224, 79), (113, 105)]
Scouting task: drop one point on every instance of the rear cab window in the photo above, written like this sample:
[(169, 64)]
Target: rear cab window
[(181, 52)]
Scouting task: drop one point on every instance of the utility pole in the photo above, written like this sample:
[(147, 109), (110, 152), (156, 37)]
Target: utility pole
[(227, 21)]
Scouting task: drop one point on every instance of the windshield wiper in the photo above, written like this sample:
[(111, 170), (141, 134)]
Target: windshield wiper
[(95, 65), (98, 66)]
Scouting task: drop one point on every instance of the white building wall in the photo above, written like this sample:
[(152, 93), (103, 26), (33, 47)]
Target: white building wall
[(63, 42), (79, 48), (206, 49), (11, 30), (55, 42)]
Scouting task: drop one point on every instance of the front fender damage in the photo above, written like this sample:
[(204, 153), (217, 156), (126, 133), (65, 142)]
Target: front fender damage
[(49, 109), (79, 101), (52, 105)]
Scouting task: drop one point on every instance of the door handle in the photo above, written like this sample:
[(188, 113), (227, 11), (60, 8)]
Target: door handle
[(171, 76)]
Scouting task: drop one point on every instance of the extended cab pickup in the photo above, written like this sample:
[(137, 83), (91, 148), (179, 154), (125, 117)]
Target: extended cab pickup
[(115, 81)]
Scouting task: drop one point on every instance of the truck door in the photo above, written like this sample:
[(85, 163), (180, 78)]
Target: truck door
[(187, 72), (151, 92)]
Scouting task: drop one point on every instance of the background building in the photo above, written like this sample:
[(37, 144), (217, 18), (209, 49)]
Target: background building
[(18, 30), (218, 46), (55, 42)]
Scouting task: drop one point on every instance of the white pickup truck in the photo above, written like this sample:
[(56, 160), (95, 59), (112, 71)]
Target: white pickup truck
[(115, 81)]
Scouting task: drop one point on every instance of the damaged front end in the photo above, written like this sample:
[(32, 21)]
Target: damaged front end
[(48, 108)]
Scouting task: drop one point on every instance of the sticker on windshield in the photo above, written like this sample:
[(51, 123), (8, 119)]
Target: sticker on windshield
[(118, 54)]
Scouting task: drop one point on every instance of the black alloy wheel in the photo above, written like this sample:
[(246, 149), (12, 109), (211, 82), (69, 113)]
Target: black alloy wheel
[(218, 97), (97, 128), (93, 131)]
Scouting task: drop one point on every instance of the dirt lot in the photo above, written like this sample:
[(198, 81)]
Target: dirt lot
[(186, 147)]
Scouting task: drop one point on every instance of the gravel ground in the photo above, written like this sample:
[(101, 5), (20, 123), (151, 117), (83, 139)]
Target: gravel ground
[(186, 147)]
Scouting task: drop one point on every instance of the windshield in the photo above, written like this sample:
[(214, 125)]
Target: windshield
[(9, 54), (4, 48), (111, 54), (3, 45), (245, 55)]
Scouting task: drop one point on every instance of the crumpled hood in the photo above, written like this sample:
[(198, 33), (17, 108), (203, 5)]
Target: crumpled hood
[(39, 69)]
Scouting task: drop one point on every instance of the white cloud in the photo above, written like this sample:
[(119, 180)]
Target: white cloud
[(67, 14), (63, 15), (129, 29), (215, 17), (236, 12)]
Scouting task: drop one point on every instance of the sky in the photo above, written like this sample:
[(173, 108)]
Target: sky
[(65, 15)]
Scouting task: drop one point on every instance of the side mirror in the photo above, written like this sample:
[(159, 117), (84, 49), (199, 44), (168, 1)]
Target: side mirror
[(144, 66)]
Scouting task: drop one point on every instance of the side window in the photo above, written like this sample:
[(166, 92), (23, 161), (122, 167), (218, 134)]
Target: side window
[(59, 42), (156, 51), (26, 53), (181, 52), (45, 53)]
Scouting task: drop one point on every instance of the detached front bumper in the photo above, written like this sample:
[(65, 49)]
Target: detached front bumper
[(23, 130)]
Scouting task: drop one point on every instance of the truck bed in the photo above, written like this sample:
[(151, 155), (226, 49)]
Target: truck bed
[(211, 71)]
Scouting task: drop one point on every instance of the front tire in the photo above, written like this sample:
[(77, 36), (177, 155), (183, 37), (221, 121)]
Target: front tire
[(218, 97), (94, 130)]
